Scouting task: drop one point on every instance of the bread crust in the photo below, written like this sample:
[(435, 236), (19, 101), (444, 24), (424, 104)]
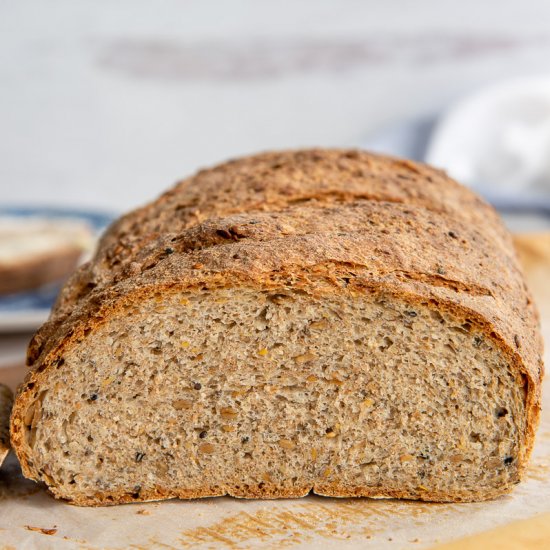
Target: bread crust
[(271, 492), (396, 227)]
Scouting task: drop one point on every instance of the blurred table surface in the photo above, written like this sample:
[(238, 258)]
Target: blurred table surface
[(105, 104)]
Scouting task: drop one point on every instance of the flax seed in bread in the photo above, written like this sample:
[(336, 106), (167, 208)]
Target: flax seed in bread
[(327, 321)]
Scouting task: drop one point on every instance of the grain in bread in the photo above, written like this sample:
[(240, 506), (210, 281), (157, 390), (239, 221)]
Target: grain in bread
[(318, 320)]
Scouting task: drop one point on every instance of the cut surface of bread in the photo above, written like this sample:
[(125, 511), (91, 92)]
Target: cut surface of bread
[(347, 345), (272, 394), (6, 400)]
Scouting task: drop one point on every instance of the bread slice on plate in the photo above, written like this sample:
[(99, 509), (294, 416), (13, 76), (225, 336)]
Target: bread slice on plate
[(6, 400), (323, 320), (35, 251)]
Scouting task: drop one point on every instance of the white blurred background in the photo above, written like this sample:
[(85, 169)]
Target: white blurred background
[(104, 104)]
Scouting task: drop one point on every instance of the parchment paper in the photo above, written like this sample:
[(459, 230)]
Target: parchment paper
[(30, 518)]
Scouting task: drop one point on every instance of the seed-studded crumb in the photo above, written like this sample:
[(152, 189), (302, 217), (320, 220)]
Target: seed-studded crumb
[(430, 410)]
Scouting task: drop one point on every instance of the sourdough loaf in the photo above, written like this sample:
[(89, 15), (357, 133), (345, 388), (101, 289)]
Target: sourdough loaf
[(6, 399), (333, 321)]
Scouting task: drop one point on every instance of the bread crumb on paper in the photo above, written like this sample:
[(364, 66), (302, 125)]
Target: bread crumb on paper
[(43, 530)]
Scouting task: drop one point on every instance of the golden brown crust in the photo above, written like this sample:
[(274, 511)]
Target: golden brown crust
[(324, 222), (275, 492)]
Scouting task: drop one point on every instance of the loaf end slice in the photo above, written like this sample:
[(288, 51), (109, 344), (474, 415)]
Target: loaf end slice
[(37, 251)]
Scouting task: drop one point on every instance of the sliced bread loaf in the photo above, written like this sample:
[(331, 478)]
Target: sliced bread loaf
[(317, 320)]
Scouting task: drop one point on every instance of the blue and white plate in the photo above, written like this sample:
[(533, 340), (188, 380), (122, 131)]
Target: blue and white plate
[(26, 311)]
